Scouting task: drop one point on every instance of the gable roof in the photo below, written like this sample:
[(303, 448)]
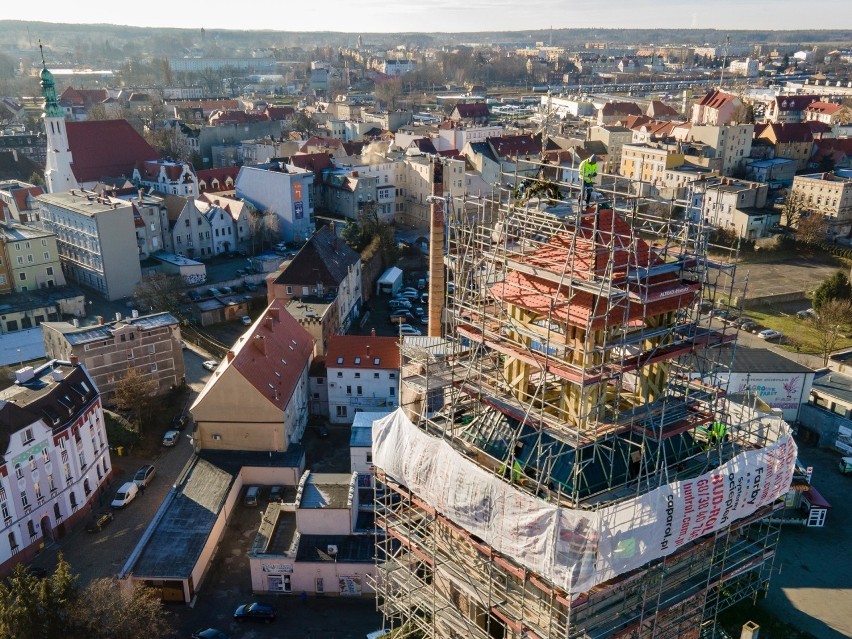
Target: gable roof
[(207, 178), (325, 259), (356, 351), (472, 110), (788, 133), (826, 108), (794, 102), (621, 108), (424, 145), (516, 145), (658, 109), (314, 162), (715, 99), (106, 148)]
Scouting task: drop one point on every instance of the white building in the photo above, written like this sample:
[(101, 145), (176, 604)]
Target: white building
[(363, 375), (96, 239), (284, 190), (361, 442), (747, 68), (55, 458)]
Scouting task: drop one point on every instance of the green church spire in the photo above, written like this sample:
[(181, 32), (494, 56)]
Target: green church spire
[(48, 91)]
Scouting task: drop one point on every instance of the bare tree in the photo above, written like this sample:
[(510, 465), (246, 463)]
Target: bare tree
[(831, 322), (107, 611), (792, 210), (159, 292), (264, 227), (137, 396), (812, 228)]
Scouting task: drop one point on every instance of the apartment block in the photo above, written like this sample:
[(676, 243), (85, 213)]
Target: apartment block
[(30, 259), (827, 194), (96, 238), (363, 375), (149, 345)]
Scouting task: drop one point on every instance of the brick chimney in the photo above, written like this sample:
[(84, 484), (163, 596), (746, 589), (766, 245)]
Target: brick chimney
[(230, 356), (373, 332), (259, 343)]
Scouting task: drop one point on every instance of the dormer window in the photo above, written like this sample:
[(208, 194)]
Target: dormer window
[(27, 436), (357, 361)]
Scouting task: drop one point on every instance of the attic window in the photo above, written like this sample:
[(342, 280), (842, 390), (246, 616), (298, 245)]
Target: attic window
[(376, 361), (357, 361), (339, 360)]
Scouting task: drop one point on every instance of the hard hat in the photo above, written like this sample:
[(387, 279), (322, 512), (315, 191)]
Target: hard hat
[(593, 158)]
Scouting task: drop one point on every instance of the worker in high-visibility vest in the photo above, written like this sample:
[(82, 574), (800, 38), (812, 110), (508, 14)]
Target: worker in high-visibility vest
[(588, 173)]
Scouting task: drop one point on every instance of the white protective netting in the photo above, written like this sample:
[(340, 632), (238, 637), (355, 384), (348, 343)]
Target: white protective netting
[(577, 549)]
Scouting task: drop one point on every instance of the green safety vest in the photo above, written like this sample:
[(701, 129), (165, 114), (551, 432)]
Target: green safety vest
[(588, 171)]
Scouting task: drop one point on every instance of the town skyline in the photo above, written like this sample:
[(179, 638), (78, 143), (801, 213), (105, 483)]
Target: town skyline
[(408, 16)]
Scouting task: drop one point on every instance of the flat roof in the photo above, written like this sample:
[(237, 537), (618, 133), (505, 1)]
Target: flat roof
[(350, 548), (834, 385), (184, 523), (760, 360), (362, 429), (86, 203), (277, 533), (326, 490), (86, 334)]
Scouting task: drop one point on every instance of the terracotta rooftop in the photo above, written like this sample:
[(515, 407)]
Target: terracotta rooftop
[(472, 110), (826, 108), (356, 351), (715, 99), (325, 259), (106, 148), (620, 108), (794, 102)]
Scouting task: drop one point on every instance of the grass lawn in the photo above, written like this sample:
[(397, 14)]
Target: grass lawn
[(797, 333)]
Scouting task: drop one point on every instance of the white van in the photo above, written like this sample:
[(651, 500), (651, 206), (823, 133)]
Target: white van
[(125, 495)]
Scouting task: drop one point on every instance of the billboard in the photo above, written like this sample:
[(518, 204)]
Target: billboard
[(783, 391)]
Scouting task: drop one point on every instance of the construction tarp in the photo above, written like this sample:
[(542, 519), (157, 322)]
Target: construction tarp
[(577, 549)]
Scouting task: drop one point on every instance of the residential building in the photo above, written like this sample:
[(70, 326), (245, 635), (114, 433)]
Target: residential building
[(747, 68), (421, 177), (453, 135), (827, 194), (361, 442), (614, 112), (730, 142), (614, 137), (227, 238), (149, 345), (257, 399), (648, 163), (284, 190), (320, 540), (348, 193), (190, 231), (786, 109), (172, 178), (18, 201), (32, 146), (30, 259), (325, 267), (717, 108), (319, 317), (736, 205), (470, 113), (363, 375), (55, 457), (217, 180), (96, 240), (776, 172), (151, 219), (828, 113), (793, 141)]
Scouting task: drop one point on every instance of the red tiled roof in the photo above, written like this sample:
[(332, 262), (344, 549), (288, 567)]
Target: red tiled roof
[(106, 148), (716, 99), (826, 108), (515, 145), (355, 351), (274, 354), (83, 97), (20, 196), (209, 176), (314, 162), (472, 109), (658, 109), (788, 133), (634, 122), (621, 108), (280, 112)]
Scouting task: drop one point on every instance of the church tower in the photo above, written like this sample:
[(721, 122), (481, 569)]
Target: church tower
[(57, 172)]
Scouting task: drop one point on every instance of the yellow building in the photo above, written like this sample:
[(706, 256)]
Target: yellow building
[(648, 163)]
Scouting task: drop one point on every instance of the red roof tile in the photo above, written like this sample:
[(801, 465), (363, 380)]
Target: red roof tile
[(355, 351), (472, 110), (106, 148), (274, 354)]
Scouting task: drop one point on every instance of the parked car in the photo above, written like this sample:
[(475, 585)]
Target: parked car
[(424, 298), (144, 475), (770, 333), (806, 314), (276, 494), (255, 612), (210, 364), (226, 290), (252, 496), (720, 313), (425, 320), (419, 312), (170, 438), (213, 291), (126, 494), (99, 522), (398, 304), (748, 326), (246, 320), (408, 329), (209, 633), (409, 295)]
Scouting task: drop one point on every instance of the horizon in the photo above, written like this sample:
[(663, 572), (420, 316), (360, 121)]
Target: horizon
[(410, 16)]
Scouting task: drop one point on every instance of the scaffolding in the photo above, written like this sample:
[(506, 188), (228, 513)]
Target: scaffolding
[(580, 365)]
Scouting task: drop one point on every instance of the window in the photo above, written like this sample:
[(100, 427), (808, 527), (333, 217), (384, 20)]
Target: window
[(51, 485), (4, 510), (369, 458), (357, 375), (45, 455), (19, 472), (82, 459), (27, 436), (348, 390), (391, 375), (37, 490), (22, 277), (25, 501), (391, 391), (320, 381), (50, 270), (339, 374), (360, 391), (340, 411), (375, 376), (13, 545)]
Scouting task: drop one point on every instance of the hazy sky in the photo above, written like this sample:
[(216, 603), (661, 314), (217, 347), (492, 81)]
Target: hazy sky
[(443, 15)]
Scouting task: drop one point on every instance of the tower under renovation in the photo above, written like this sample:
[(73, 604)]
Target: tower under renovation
[(565, 462)]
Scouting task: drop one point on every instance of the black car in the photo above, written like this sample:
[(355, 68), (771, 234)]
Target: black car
[(210, 633), (276, 494), (255, 612), (99, 522), (179, 421)]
